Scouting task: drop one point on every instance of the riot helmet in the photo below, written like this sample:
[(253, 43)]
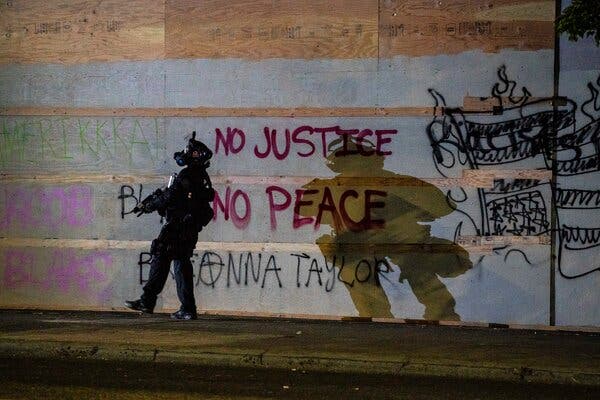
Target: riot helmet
[(196, 153)]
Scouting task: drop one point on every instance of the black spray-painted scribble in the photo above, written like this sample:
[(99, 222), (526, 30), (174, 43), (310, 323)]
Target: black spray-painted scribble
[(519, 214), (542, 131), (129, 199)]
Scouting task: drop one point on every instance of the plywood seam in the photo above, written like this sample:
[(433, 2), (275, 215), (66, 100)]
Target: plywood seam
[(295, 247), (408, 111), (469, 178)]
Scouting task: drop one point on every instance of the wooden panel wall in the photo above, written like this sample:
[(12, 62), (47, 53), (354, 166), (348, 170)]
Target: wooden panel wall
[(87, 162), (85, 30), (423, 27), (81, 31), (258, 29)]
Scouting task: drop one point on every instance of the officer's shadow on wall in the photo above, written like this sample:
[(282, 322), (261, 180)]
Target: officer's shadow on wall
[(383, 226)]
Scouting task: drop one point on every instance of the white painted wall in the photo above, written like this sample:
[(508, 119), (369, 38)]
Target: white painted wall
[(509, 285)]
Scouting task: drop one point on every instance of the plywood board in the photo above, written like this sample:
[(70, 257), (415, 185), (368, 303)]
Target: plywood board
[(423, 27), (258, 29), (83, 31), (61, 31), (226, 111), (480, 177), (469, 179), (271, 247), (473, 104), (487, 244)]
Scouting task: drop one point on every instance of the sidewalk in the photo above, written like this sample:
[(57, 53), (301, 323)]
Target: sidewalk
[(334, 346)]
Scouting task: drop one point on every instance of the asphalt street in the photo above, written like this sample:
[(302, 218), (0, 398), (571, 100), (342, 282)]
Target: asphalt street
[(85, 379), (124, 355)]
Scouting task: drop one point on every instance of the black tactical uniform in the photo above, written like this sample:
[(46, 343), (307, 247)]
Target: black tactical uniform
[(186, 205)]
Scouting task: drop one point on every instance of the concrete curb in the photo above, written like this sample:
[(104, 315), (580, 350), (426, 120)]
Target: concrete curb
[(78, 351), (312, 317)]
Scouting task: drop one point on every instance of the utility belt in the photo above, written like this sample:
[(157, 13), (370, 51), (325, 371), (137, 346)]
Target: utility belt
[(196, 219), (176, 239)]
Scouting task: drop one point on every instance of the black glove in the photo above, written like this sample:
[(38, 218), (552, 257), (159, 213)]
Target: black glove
[(139, 209)]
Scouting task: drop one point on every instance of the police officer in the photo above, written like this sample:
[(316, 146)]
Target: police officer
[(186, 205)]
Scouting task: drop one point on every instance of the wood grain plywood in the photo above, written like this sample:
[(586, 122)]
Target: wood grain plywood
[(487, 104), (285, 247), (474, 179), (61, 31), (259, 29), (425, 27), (227, 112)]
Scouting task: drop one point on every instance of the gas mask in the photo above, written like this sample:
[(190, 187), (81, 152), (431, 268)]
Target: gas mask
[(195, 154)]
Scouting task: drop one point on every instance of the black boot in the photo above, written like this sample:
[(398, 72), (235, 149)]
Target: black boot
[(138, 305), (184, 315)]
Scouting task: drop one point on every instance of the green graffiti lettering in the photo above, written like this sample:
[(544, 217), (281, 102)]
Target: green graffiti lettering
[(83, 141), (66, 141), (45, 138), (137, 127), (100, 140), (117, 138), (4, 135)]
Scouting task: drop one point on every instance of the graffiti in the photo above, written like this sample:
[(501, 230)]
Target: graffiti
[(337, 209), (518, 214), (46, 207), (543, 133), (145, 259), (593, 102), (282, 144), (576, 238), (210, 270), (310, 268), (273, 206), (217, 270), (577, 199), (229, 206), (74, 141), (128, 199), (516, 251), (64, 271), (211, 267), (228, 141), (235, 206), (372, 230)]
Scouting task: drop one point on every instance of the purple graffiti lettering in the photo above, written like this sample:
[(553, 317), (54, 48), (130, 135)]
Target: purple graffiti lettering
[(79, 205), (17, 272), (62, 271), (48, 208)]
